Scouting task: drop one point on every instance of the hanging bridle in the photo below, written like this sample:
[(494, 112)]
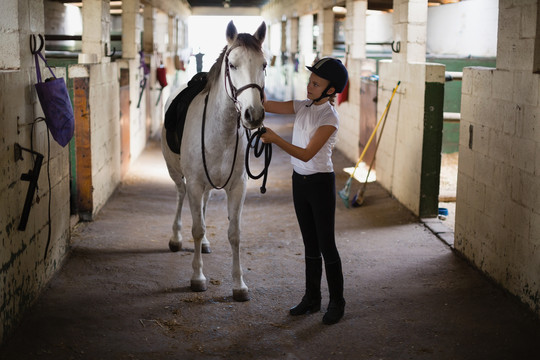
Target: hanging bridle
[(234, 93)]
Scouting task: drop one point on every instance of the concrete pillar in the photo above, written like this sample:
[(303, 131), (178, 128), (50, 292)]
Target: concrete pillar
[(292, 35), (306, 40), (355, 27), (536, 65), (148, 29), (283, 36), (162, 35), (96, 37), (10, 57), (325, 42), (173, 35), (182, 34), (410, 24), (517, 36), (131, 32), (497, 189)]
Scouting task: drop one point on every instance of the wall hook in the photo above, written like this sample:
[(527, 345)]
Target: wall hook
[(106, 51), (397, 49), (33, 44)]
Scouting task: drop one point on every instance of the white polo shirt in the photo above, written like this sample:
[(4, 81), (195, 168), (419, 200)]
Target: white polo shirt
[(306, 123)]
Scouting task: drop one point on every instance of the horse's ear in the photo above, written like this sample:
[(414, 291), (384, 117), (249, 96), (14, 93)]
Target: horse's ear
[(260, 34), (232, 33)]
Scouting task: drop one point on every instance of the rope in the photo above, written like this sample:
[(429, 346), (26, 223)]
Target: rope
[(259, 147)]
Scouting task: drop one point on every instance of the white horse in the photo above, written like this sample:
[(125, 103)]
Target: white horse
[(213, 146)]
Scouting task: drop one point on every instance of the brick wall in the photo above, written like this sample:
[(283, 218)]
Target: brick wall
[(105, 128), (402, 153), (498, 196), (24, 270)]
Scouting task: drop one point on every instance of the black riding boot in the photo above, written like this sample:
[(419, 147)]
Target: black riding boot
[(336, 306), (311, 302)]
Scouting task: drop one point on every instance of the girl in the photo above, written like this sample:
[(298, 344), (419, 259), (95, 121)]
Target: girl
[(314, 191)]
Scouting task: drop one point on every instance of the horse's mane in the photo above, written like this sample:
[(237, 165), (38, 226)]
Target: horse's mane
[(246, 40)]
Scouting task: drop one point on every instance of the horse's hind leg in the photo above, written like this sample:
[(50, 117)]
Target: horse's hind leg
[(235, 199), (175, 243), (173, 166)]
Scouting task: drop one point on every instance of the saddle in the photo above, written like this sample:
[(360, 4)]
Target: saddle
[(175, 116)]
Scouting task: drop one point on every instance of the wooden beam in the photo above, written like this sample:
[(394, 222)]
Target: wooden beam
[(83, 143)]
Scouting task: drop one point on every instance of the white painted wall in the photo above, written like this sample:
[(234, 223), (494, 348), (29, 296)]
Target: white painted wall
[(23, 270), (105, 130), (379, 27), (9, 36), (467, 28), (498, 193), (378, 30), (463, 29)]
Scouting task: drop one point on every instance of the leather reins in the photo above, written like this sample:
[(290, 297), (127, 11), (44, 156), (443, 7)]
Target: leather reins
[(233, 95)]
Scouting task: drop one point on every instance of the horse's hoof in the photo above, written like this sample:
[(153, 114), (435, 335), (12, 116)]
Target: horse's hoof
[(175, 247), (198, 285), (240, 295), (205, 249)]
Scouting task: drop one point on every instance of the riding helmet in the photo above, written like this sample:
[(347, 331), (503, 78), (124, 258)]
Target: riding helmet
[(332, 70)]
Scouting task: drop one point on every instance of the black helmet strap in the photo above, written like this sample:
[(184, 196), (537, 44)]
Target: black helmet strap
[(324, 94)]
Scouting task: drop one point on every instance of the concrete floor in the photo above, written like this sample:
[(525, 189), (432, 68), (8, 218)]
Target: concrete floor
[(123, 295)]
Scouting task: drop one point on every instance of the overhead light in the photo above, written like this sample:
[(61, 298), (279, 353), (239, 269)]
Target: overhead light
[(339, 10)]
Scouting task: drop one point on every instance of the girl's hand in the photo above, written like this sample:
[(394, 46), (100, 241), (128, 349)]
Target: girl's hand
[(269, 136)]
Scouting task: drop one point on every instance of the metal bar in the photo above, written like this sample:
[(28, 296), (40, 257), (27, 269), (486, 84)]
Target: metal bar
[(453, 75), (60, 37), (450, 117), (379, 43)]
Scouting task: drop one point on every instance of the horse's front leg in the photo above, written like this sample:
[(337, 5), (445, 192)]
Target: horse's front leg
[(235, 202), (196, 199), (205, 246), (175, 243)]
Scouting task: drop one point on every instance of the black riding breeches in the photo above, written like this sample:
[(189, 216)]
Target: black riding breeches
[(314, 199)]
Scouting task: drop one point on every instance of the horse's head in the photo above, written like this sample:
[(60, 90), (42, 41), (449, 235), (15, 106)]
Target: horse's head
[(244, 68)]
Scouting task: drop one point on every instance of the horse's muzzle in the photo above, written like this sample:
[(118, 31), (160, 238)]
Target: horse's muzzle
[(253, 118)]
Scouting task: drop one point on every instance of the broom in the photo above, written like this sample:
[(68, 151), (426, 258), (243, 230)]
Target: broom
[(346, 191), (358, 199)]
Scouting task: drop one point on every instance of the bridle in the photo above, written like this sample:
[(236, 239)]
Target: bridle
[(233, 94)]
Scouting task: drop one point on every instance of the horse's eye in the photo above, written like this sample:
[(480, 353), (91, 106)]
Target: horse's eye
[(264, 66), (232, 67)]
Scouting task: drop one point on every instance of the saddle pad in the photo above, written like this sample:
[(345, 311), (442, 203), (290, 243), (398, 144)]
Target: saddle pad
[(175, 116)]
